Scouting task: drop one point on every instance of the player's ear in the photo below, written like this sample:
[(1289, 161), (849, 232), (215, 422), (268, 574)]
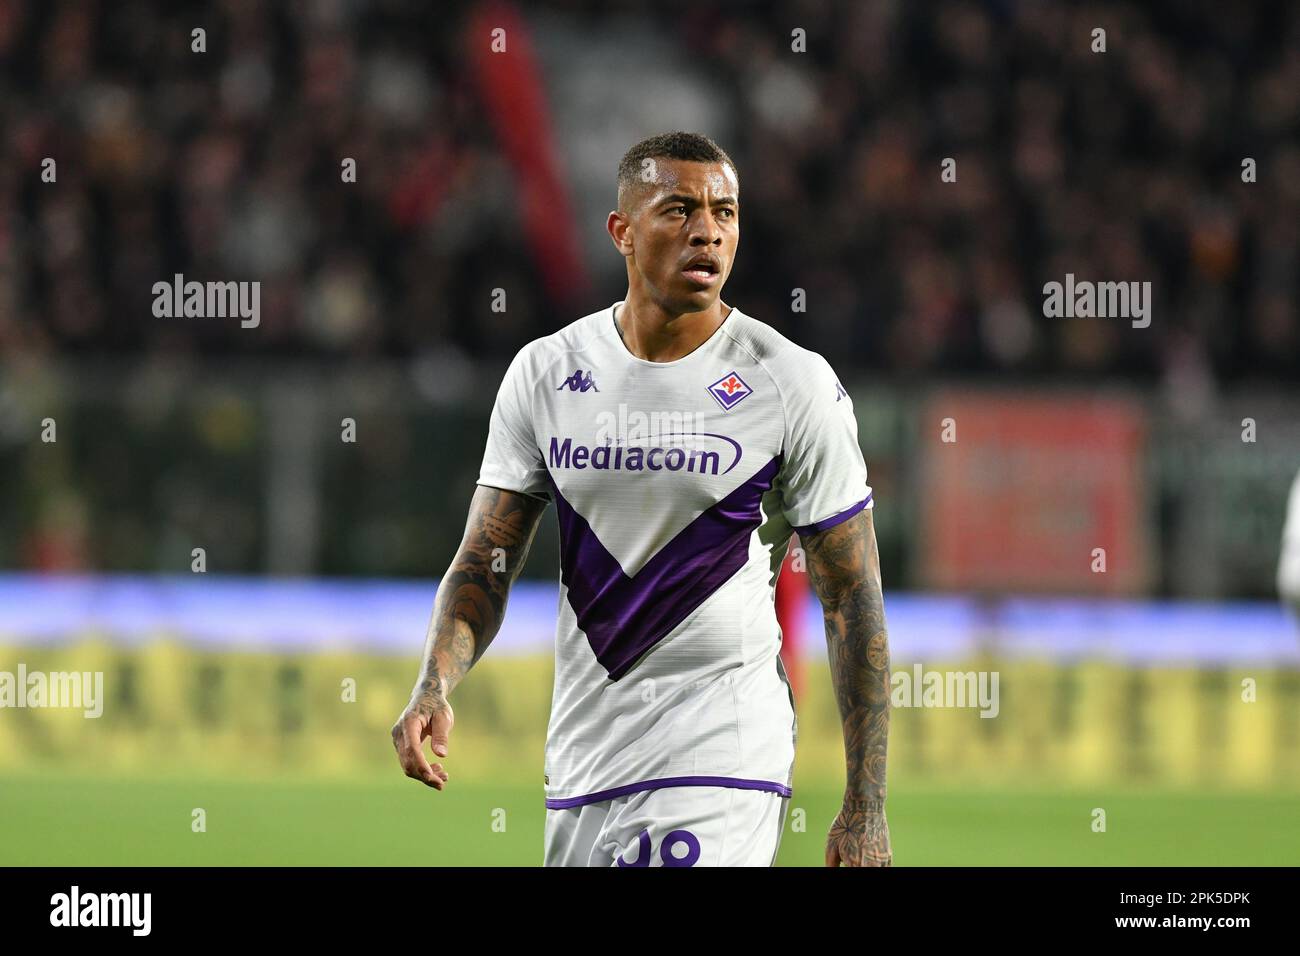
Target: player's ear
[(619, 227)]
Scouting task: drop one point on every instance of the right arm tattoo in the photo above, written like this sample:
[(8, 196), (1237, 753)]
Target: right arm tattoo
[(471, 601)]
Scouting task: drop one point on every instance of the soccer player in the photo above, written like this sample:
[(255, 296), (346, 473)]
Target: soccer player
[(681, 441)]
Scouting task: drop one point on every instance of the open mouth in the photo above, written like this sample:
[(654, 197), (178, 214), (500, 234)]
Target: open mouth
[(704, 273)]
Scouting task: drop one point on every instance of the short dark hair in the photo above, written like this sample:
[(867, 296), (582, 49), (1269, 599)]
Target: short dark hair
[(688, 147)]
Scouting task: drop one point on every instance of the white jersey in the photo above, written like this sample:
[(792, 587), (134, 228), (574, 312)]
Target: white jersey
[(677, 485)]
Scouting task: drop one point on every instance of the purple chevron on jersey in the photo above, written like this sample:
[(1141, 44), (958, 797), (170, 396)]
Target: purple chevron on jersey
[(622, 616)]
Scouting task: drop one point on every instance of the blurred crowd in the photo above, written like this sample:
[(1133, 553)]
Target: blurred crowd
[(1123, 165)]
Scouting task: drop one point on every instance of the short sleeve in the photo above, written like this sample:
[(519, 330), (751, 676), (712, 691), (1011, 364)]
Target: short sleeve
[(823, 475), (512, 459)]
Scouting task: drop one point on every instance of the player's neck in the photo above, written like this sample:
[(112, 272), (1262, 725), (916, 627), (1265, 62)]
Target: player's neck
[(654, 335)]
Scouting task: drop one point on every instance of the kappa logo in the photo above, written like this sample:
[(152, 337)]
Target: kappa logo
[(578, 383), (729, 390)]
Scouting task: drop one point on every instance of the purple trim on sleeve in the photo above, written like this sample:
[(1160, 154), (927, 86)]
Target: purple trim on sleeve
[(737, 783), (833, 520)]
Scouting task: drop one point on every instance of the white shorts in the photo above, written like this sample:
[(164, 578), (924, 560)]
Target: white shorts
[(674, 826)]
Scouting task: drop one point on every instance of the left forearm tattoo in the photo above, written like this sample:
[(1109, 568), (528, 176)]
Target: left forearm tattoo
[(844, 565)]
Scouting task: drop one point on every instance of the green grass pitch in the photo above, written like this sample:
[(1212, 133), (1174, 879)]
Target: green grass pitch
[(75, 820)]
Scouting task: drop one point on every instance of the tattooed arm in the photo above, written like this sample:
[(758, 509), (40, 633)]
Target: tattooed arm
[(845, 569), (467, 613)]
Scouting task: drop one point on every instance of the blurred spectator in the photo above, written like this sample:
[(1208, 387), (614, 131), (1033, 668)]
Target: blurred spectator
[(1122, 166)]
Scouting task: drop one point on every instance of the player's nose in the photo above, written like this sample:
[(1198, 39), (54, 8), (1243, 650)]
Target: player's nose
[(704, 230)]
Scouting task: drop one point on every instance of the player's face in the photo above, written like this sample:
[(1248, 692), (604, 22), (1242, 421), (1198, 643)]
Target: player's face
[(684, 233)]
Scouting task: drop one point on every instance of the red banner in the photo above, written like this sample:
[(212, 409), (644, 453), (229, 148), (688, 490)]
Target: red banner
[(1034, 492)]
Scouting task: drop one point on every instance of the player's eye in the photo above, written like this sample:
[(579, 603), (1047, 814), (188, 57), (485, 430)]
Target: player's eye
[(675, 208), (728, 210)]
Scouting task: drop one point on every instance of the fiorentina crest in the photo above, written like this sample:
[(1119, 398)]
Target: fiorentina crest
[(729, 390)]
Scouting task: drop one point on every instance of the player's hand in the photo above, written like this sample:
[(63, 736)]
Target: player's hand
[(860, 835), (420, 720)]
